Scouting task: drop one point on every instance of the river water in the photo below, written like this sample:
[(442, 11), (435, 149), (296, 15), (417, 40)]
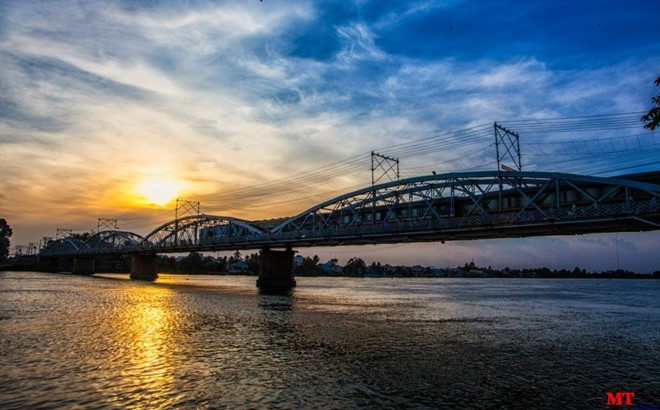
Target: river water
[(212, 341)]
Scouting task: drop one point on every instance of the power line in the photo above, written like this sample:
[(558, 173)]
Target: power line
[(578, 155)]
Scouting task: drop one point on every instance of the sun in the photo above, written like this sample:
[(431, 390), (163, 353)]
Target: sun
[(158, 191)]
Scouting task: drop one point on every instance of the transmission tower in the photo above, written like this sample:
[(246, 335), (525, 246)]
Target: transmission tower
[(105, 224), (62, 233), (45, 241), (185, 207), (387, 166), (507, 146), (31, 249)]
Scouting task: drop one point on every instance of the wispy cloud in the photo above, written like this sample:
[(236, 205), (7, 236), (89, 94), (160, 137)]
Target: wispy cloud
[(99, 95)]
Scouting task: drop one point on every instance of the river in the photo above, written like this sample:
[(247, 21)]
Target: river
[(214, 341)]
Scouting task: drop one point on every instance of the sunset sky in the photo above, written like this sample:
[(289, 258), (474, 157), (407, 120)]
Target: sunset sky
[(111, 109)]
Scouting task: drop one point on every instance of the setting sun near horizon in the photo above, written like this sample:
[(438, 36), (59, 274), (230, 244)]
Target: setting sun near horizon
[(158, 191)]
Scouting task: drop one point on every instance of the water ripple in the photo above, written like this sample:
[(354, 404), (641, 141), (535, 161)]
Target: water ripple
[(201, 341)]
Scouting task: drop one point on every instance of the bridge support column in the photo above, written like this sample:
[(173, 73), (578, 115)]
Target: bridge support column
[(47, 264), (276, 270), (143, 267), (83, 265)]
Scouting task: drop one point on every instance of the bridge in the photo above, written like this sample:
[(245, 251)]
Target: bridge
[(443, 207)]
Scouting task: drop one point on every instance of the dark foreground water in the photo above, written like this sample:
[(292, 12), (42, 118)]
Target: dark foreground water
[(205, 341)]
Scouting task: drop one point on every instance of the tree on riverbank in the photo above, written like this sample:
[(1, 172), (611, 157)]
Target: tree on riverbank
[(309, 267), (5, 234), (355, 267), (652, 118)]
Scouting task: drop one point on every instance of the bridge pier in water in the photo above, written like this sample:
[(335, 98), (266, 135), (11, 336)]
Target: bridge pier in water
[(143, 267), (83, 265), (276, 270)]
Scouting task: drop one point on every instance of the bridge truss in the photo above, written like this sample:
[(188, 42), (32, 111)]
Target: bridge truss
[(453, 206), (201, 229), (111, 241)]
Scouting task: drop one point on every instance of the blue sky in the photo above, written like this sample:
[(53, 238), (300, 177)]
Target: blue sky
[(100, 95)]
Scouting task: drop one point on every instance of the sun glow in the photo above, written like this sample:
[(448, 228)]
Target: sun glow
[(158, 191)]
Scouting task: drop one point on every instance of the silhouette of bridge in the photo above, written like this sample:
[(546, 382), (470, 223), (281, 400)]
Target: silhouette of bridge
[(503, 203), (443, 207)]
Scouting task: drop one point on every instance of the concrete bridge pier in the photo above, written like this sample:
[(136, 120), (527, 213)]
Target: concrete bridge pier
[(143, 267), (83, 265), (276, 270)]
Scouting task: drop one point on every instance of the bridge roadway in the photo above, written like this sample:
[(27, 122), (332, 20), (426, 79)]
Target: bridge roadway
[(453, 206)]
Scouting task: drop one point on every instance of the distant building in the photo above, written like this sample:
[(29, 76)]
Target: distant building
[(239, 266), (438, 272), (332, 267)]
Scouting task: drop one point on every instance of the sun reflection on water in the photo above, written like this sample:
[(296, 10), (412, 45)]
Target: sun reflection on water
[(146, 331), (74, 342)]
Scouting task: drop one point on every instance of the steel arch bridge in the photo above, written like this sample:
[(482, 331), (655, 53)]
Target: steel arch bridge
[(452, 206), (477, 205)]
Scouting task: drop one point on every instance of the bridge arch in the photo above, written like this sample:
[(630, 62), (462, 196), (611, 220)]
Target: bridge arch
[(473, 199), (111, 242), (466, 205), (63, 246), (201, 230)]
